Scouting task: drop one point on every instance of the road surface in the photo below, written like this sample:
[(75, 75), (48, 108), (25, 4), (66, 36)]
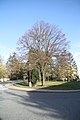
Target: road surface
[(19, 105)]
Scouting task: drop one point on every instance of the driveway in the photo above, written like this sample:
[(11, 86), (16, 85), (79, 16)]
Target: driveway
[(19, 105)]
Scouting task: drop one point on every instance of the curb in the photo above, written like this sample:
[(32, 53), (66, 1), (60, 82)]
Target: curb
[(40, 90), (21, 89)]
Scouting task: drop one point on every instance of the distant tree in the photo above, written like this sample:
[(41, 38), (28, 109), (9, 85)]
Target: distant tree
[(3, 72), (71, 68), (66, 68), (47, 41), (15, 67), (75, 75)]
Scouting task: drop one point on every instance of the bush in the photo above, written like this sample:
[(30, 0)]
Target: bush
[(35, 76)]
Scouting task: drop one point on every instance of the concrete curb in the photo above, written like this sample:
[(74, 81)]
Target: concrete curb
[(39, 90), (21, 89)]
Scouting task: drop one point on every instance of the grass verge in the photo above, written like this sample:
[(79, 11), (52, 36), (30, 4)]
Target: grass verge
[(53, 85), (65, 86), (21, 84)]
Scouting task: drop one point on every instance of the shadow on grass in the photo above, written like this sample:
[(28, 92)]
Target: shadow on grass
[(59, 86), (65, 86), (22, 84)]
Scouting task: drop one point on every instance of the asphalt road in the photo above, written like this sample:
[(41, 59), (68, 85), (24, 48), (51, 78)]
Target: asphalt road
[(19, 105)]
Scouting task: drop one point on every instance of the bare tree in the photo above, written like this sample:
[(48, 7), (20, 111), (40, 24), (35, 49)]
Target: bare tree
[(47, 42)]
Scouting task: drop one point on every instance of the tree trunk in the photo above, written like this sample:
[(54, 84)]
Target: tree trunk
[(43, 81), (30, 84), (40, 76), (29, 78), (43, 77)]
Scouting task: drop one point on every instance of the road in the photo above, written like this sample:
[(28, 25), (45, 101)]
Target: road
[(19, 105)]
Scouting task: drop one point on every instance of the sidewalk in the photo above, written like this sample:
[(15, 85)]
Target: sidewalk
[(12, 87)]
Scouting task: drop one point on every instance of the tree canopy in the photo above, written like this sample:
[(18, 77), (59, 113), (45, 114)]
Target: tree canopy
[(44, 55), (47, 41)]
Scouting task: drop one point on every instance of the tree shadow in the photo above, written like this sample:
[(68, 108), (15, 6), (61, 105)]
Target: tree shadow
[(37, 103), (58, 105), (0, 118), (62, 106)]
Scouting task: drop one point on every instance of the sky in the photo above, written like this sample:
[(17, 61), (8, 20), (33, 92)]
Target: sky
[(17, 16)]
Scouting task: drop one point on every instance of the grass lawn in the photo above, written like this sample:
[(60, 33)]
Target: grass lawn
[(21, 84), (53, 85), (64, 86)]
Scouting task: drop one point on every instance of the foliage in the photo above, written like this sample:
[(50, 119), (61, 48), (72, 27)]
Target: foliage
[(35, 76), (3, 71), (15, 67), (65, 67), (46, 41)]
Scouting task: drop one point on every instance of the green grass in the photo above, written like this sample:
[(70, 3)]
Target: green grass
[(64, 86), (22, 84), (57, 85)]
